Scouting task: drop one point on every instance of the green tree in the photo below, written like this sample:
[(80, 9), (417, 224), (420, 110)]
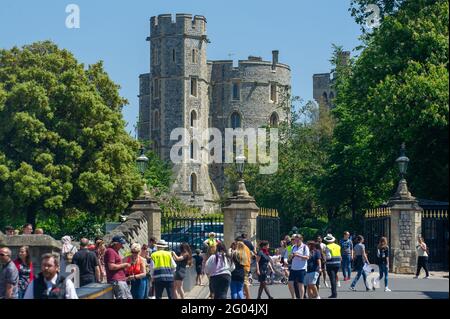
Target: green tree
[(63, 144), (395, 91)]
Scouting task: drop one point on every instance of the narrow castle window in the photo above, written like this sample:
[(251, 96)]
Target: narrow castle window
[(274, 120), (193, 118), (173, 55), (325, 98), (157, 120), (236, 91), (155, 56), (193, 183), (193, 150), (273, 92), (156, 88), (194, 56), (235, 120), (194, 86)]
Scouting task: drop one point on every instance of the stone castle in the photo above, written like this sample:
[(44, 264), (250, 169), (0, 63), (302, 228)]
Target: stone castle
[(184, 89)]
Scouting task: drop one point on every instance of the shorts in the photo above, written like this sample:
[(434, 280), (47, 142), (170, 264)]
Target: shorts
[(179, 275), (297, 275), (121, 290), (311, 278), (198, 270), (262, 277)]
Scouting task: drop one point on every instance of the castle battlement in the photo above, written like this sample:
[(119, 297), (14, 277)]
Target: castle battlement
[(182, 23)]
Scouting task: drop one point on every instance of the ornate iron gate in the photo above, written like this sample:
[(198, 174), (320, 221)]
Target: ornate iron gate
[(377, 224), (268, 227), (436, 235)]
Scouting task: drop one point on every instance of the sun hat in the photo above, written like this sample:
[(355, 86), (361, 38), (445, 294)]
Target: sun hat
[(329, 238), (162, 243), (135, 247)]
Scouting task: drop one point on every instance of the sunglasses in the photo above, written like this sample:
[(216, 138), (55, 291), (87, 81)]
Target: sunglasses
[(3, 255)]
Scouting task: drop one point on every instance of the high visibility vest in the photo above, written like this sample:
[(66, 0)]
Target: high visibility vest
[(333, 251), (162, 265)]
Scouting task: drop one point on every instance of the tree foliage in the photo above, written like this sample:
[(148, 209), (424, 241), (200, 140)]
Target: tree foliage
[(63, 144)]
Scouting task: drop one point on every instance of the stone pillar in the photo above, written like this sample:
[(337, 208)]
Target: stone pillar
[(406, 226), (152, 212), (240, 216)]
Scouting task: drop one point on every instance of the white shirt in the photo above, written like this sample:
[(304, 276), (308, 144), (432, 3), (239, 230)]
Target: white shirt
[(71, 293)]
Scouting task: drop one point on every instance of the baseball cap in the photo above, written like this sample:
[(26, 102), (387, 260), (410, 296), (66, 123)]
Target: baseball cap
[(119, 239)]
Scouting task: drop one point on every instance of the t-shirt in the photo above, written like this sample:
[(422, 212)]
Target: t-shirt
[(297, 262), (383, 255), (346, 247), (9, 275), (359, 249), (112, 257), (312, 262), (198, 261), (263, 262), (86, 261)]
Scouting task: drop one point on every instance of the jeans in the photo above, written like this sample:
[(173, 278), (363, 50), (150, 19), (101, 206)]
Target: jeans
[(346, 266), (332, 271), (139, 288), (220, 285), (237, 290), (422, 262), (384, 271), (360, 271), (160, 286)]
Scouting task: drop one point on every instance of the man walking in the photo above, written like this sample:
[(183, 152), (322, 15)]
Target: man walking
[(115, 269), (300, 256), (333, 255), (347, 256), (162, 270), (9, 276), (87, 263)]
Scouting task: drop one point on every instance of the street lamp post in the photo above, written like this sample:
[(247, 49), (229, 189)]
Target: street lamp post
[(402, 189), (142, 163), (240, 166)]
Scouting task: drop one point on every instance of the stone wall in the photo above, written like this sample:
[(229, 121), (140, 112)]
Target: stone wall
[(39, 245), (134, 230)]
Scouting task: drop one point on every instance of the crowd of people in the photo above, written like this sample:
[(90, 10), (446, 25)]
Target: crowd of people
[(152, 268)]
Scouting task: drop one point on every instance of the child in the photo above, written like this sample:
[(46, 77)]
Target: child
[(383, 261), (198, 266)]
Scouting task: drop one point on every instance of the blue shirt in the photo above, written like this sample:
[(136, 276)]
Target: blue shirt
[(297, 262), (346, 247)]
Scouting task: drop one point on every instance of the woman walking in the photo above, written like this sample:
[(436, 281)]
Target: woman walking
[(25, 268), (263, 263), (383, 261), (422, 261), (313, 269), (136, 272), (219, 268), (239, 259), (100, 249), (360, 260), (183, 260)]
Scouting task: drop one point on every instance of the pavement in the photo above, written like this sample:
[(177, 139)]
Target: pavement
[(402, 286)]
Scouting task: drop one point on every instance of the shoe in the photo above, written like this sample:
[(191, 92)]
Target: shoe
[(339, 284), (373, 288), (416, 277), (387, 289), (318, 297), (352, 288), (426, 277), (367, 289), (152, 297), (332, 296)]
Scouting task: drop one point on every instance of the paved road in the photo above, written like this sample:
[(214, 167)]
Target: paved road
[(403, 287)]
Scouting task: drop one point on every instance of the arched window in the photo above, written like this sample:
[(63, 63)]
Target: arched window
[(325, 97), (274, 120), (193, 118), (235, 120), (193, 183)]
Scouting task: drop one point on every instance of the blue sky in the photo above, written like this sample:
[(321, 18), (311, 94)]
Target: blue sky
[(115, 32)]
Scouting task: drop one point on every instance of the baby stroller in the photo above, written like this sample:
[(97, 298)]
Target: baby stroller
[(278, 276)]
